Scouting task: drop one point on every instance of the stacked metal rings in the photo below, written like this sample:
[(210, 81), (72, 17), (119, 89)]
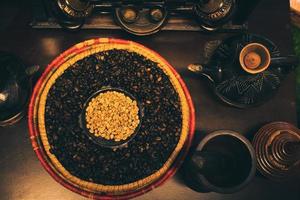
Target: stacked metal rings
[(277, 150)]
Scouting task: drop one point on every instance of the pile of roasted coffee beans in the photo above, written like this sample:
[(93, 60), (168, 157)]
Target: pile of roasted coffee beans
[(158, 134)]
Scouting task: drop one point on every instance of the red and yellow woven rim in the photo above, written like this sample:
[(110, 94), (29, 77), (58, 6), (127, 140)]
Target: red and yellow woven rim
[(35, 133)]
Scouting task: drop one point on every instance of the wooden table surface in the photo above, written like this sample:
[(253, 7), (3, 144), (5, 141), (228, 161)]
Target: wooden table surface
[(22, 176)]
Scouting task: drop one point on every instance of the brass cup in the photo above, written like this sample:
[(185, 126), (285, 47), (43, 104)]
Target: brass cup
[(255, 58)]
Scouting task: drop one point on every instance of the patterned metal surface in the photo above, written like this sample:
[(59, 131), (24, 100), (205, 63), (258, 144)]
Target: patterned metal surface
[(237, 87)]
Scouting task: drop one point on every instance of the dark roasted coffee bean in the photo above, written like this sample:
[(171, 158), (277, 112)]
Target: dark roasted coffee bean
[(159, 132)]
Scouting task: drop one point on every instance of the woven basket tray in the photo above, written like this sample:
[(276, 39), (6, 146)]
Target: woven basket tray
[(39, 138)]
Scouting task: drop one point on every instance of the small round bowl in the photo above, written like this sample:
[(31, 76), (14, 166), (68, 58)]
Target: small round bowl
[(100, 140), (255, 58), (239, 150)]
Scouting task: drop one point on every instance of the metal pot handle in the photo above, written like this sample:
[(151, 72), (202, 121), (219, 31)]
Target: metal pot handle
[(286, 61), (207, 162)]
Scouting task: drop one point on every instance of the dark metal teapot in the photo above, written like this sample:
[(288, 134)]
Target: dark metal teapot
[(245, 70), (15, 88)]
